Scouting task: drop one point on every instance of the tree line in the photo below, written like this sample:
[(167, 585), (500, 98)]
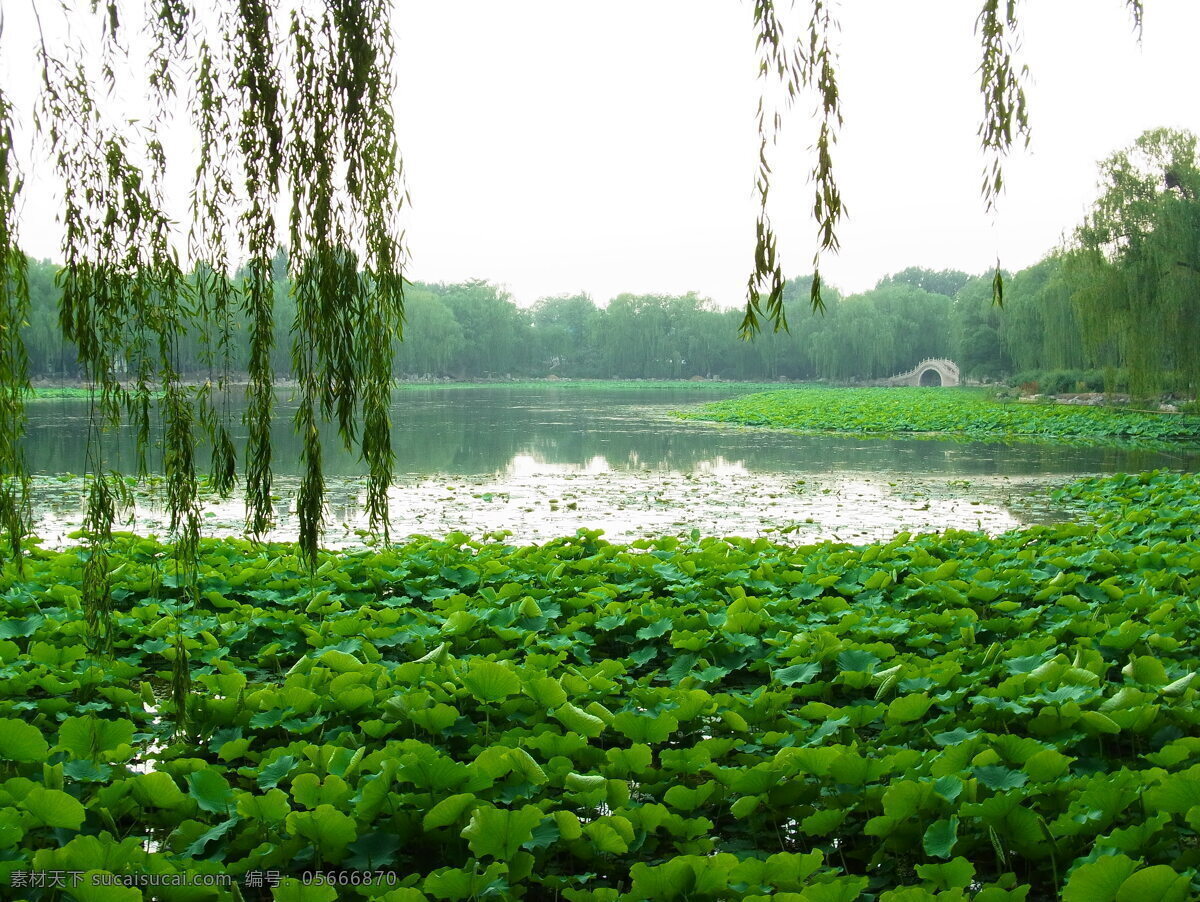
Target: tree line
[(1117, 306), (474, 330)]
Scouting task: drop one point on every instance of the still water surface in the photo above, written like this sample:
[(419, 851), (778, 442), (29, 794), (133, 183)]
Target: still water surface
[(543, 462)]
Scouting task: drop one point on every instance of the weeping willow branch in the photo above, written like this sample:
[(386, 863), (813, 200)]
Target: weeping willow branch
[(808, 62), (1001, 83), (14, 361), (793, 66), (322, 137)]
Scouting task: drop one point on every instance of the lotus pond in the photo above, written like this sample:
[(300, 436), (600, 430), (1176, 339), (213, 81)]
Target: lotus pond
[(993, 715), (545, 461), (960, 413), (936, 717)]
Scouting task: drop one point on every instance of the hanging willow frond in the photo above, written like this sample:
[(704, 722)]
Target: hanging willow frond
[(1136, 10), (793, 66), (323, 137), (14, 360), (1001, 83)]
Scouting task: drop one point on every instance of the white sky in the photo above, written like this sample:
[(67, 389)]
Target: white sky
[(556, 146)]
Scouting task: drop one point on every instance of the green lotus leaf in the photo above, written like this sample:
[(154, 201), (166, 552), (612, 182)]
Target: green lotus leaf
[(941, 837), (1000, 778), (159, 790), (797, 674), (957, 873), (339, 661), (545, 690), (211, 790), (91, 737), (436, 719), (686, 799), (499, 832), (1099, 880), (270, 807), (1159, 882), (54, 808), (20, 741), (1046, 765), (606, 838), (1176, 793), (327, 829), (457, 883), (270, 775), (579, 721), (199, 847), (908, 708), (311, 791), (490, 681), (93, 887), (948, 787), (291, 889), (448, 810), (524, 764), (857, 659), (645, 728), (568, 823), (822, 823)]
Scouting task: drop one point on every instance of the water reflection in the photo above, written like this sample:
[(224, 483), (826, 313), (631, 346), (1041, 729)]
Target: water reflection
[(510, 430), (529, 464), (545, 462)]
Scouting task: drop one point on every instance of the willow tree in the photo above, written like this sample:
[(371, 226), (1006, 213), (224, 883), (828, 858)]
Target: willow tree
[(1135, 263), (290, 109), (291, 114)]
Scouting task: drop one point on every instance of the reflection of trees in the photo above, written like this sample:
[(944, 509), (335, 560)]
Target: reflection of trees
[(481, 431)]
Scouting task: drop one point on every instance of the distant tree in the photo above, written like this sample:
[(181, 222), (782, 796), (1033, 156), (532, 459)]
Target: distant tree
[(975, 330), (566, 327), (433, 339), (494, 330), (945, 282)]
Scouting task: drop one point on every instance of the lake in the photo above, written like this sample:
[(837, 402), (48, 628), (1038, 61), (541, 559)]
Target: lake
[(542, 462)]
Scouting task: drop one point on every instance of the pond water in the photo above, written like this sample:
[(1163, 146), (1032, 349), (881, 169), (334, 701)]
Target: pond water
[(543, 462)]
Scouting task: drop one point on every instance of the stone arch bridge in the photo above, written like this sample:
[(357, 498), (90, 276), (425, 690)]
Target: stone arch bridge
[(932, 371)]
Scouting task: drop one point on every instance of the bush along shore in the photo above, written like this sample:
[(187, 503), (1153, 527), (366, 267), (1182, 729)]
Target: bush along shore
[(947, 716), (970, 414)]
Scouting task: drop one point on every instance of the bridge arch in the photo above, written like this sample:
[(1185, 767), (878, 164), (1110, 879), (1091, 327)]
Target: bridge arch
[(932, 372)]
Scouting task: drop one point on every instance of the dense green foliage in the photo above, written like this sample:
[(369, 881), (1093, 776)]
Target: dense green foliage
[(1135, 269), (992, 718), (971, 414), (474, 330)]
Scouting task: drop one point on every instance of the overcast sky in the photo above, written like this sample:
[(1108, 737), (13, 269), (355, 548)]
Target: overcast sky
[(555, 146)]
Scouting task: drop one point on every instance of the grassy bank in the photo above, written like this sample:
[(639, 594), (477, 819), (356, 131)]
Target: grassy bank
[(966, 413), (959, 716)]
